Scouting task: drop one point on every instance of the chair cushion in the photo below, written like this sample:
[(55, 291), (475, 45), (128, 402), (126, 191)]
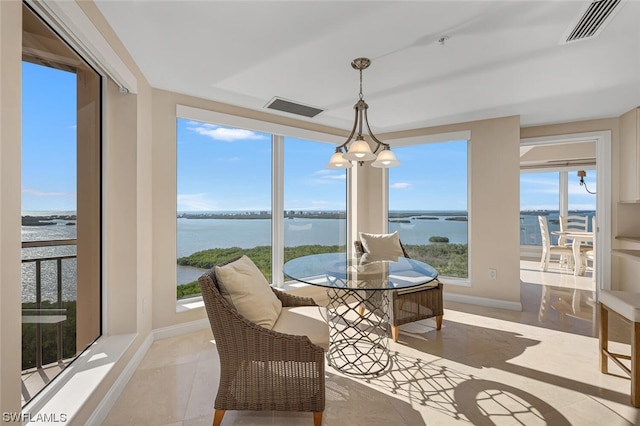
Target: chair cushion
[(310, 321), (382, 245), (245, 288), (625, 303)]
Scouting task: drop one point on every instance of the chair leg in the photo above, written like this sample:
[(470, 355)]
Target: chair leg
[(217, 417), (635, 364), (544, 262), (317, 418), (439, 322), (395, 330), (604, 338)]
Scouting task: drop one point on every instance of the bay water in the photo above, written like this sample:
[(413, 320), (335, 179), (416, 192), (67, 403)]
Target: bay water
[(194, 235)]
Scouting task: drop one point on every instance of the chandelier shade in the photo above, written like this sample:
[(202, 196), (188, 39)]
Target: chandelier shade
[(359, 150), (386, 159), (338, 161)]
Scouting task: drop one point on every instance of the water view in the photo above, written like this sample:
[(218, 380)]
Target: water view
[(193, 235)]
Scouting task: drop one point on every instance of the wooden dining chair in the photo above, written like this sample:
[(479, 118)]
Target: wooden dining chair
[(589, 255), (549, 249), (572, 223)]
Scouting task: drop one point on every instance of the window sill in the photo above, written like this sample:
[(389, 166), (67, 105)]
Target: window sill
[(65, 396), (190, 304)]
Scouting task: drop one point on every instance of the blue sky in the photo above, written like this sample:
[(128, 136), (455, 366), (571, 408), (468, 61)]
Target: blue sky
[(48, 139), (539, 191), (221, 168)]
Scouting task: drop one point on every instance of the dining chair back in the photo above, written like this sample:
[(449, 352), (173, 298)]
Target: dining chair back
[(574, 223), (565, 252), (590, 254), (570, 223), (413, 304)]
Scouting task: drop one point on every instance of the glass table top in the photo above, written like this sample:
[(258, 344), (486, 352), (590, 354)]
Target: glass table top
[(339, 270)]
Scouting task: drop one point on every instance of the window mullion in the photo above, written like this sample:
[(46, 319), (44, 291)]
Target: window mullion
[(564, 192), (277, 210)]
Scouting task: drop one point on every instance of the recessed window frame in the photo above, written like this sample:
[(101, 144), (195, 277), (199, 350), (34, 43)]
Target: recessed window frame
[(91, 237)]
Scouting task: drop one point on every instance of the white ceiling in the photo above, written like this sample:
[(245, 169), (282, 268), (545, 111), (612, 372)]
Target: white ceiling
[(502, 57)]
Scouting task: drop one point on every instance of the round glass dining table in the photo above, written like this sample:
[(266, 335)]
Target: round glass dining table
[(358, 290)]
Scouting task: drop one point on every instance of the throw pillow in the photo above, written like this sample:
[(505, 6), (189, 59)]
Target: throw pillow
[(382, 245), (244, 287)]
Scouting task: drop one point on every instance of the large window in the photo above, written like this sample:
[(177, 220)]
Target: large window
[(314, 200), (224, 199), (60, 205), (552, 194), (428, 204), (226, 196)]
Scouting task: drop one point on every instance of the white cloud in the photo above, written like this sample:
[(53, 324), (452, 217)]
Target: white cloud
[(223, 133), (323, 177), (335, 177), (188, 202), (39, 193), (400, 185)]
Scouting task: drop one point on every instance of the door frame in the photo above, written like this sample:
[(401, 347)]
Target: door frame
[(603, 195)]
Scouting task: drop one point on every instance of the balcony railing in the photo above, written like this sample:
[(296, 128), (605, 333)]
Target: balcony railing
[(40, 315)]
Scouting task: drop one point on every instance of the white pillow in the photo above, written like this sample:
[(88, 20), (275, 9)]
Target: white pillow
[(244, 287), (382, 245)]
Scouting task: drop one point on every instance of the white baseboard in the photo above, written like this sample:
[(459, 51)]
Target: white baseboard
[(483, 301)]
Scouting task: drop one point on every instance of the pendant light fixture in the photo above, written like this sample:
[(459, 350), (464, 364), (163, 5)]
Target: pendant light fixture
[(359, 150)]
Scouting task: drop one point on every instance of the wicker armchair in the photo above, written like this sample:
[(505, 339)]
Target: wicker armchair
[(261, 369), (411, 305)]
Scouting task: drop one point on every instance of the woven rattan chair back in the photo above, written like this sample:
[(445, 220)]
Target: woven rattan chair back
[(413, 306), (260, 369)]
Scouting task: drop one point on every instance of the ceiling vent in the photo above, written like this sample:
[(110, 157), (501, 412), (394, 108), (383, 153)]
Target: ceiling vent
[(591, 23), (293, 107)]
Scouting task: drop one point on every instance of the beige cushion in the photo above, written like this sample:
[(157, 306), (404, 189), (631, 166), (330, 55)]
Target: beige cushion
[(244, 287), (310, 321), (382, 245), (625, 303)]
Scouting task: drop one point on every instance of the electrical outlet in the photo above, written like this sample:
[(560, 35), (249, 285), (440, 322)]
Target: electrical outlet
[(493, 273)]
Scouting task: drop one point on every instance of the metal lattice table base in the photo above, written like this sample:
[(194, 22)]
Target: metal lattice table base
[(358, 342)]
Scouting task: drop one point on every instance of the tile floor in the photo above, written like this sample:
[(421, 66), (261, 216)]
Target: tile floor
[(485, 367)]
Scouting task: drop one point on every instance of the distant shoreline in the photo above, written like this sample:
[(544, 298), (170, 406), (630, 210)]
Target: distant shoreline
[(47, 220), (456, 215)]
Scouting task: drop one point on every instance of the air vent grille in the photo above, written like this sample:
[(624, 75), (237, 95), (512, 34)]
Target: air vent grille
[(293, 107), (596, 15)]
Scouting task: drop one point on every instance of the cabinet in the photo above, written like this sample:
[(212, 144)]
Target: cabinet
[(628, 233), (630, 156), (625, 261), (626, 247)]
